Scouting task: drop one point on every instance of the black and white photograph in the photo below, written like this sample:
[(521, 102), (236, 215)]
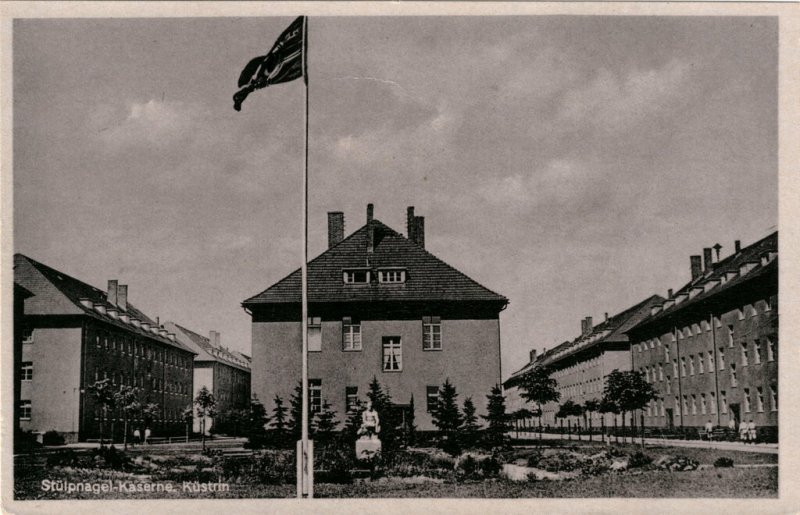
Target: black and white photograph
[(304, 254)]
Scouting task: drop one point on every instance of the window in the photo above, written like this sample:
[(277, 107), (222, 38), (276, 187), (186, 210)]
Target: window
[(391, 276), (713, 402), (97, 341), (432, 398), (734, 381), (351, 398), (27, 335), (669, 384), (666, 353), (773, 398), (770, 348), (359, 276), (351, 335), (694, 404), (730, 335), (723, 402), (683, 367), (760, 399), (660, 372), (677, 406), (700, 364), (431, 333), (757, 351), (691, 364), (392, 354), (703, 406), (745, 361), (685, 405), (710, 361), (675, 367), (314, 334), (721, 358), (315, 395), (746, 399), (26, 371), (24, 410)]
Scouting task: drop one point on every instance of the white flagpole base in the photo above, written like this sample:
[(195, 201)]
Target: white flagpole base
[(305, 470)]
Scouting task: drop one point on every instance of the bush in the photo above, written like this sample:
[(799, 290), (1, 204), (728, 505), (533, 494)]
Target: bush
[(468, 467), (335, 465), (534, 459), (25, 441), (66, 458), (111, 457), (276, 468), (723, 462), (52, 438), (639, 459), (490, 467)]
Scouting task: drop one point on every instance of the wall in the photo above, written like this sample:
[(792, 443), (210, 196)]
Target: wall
[(470, 359), (54, 390)]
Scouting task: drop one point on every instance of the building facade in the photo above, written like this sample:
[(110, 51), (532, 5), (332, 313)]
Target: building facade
[(711, 349), (72, 335), (581, 365), (225, 373), (380, 306)]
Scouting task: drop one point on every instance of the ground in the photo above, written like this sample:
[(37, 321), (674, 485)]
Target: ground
[(186, 470)]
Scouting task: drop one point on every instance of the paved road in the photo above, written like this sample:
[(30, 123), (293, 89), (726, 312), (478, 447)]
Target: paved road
[(765, 448)]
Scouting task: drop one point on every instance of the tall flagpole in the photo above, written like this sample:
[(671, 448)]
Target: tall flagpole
[(305, 488)]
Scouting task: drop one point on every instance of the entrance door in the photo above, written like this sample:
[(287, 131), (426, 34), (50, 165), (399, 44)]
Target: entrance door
[(670, 419)]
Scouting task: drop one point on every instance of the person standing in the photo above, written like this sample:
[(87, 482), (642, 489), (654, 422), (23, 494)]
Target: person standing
[(751, 429), (709, 430), (732, 429), (147, 436), (137, 437)]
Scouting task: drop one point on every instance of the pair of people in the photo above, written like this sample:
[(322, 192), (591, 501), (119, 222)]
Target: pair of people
[(137, 436), (747, 431)]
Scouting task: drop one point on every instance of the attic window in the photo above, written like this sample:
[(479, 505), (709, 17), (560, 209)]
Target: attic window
[(356, 276), (392, 276)]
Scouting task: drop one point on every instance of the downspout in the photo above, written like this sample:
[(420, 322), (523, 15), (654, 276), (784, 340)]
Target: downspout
[(716, 367), (678, 372)]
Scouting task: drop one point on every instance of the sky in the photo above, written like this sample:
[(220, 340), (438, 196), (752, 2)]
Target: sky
[(572, 164)]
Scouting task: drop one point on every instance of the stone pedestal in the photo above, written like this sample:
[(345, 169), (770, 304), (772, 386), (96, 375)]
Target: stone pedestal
[(367, 448)]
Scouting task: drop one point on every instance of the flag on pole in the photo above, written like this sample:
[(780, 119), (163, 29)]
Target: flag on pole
[(283, 63)]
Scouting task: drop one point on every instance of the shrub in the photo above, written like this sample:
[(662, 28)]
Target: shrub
[(490, 466), (52, 438), (639, 459), (335, 465), (723, 462), (111, 457), (534, 459), (275, 468), (65, 458), (468, 466)]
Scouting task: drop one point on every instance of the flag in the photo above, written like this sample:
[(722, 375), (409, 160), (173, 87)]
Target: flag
[(283, 63)]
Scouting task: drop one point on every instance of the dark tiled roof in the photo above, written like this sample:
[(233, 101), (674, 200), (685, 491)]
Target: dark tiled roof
[(751, 254), (206, 351), (427, 277), (611, 330), (75, 290)]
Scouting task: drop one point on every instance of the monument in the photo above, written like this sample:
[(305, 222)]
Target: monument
[(368, 444)]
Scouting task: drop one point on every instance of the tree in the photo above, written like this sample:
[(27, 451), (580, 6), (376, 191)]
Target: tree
[(447, 417), (149, 413), (127, 398), (279, 424), (538, 387), (469, 427), (569, 409), (325, 422), (409, 427), (205, 404), (296, 414), (627, 391), (188, 417), (353, 423), (589, 407), (496, 416), (255, 426), (102, 392), (389, 418)]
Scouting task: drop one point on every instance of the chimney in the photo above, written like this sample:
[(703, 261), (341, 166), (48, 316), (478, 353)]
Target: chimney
[(419, 231), (122, 297), (697, 267), (370, 229), (212, 338), (216, 339), (738, 246), (669, 293), (583, 326), (606, 316), (410, 222), (589, 326), (112, 292), (335, 228), (707, 259)]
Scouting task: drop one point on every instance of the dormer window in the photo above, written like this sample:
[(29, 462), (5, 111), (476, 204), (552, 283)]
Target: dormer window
[(356, 276), (392, 275)]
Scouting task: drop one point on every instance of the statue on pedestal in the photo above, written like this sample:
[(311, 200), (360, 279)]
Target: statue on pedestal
[(368, 443)]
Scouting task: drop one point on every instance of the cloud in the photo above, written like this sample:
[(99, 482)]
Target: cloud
[(152, 122), (614, 103)]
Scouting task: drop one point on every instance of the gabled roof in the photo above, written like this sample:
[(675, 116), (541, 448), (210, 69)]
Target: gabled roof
[(62, 294), (609, 331), (427, 277), (205, 350)]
